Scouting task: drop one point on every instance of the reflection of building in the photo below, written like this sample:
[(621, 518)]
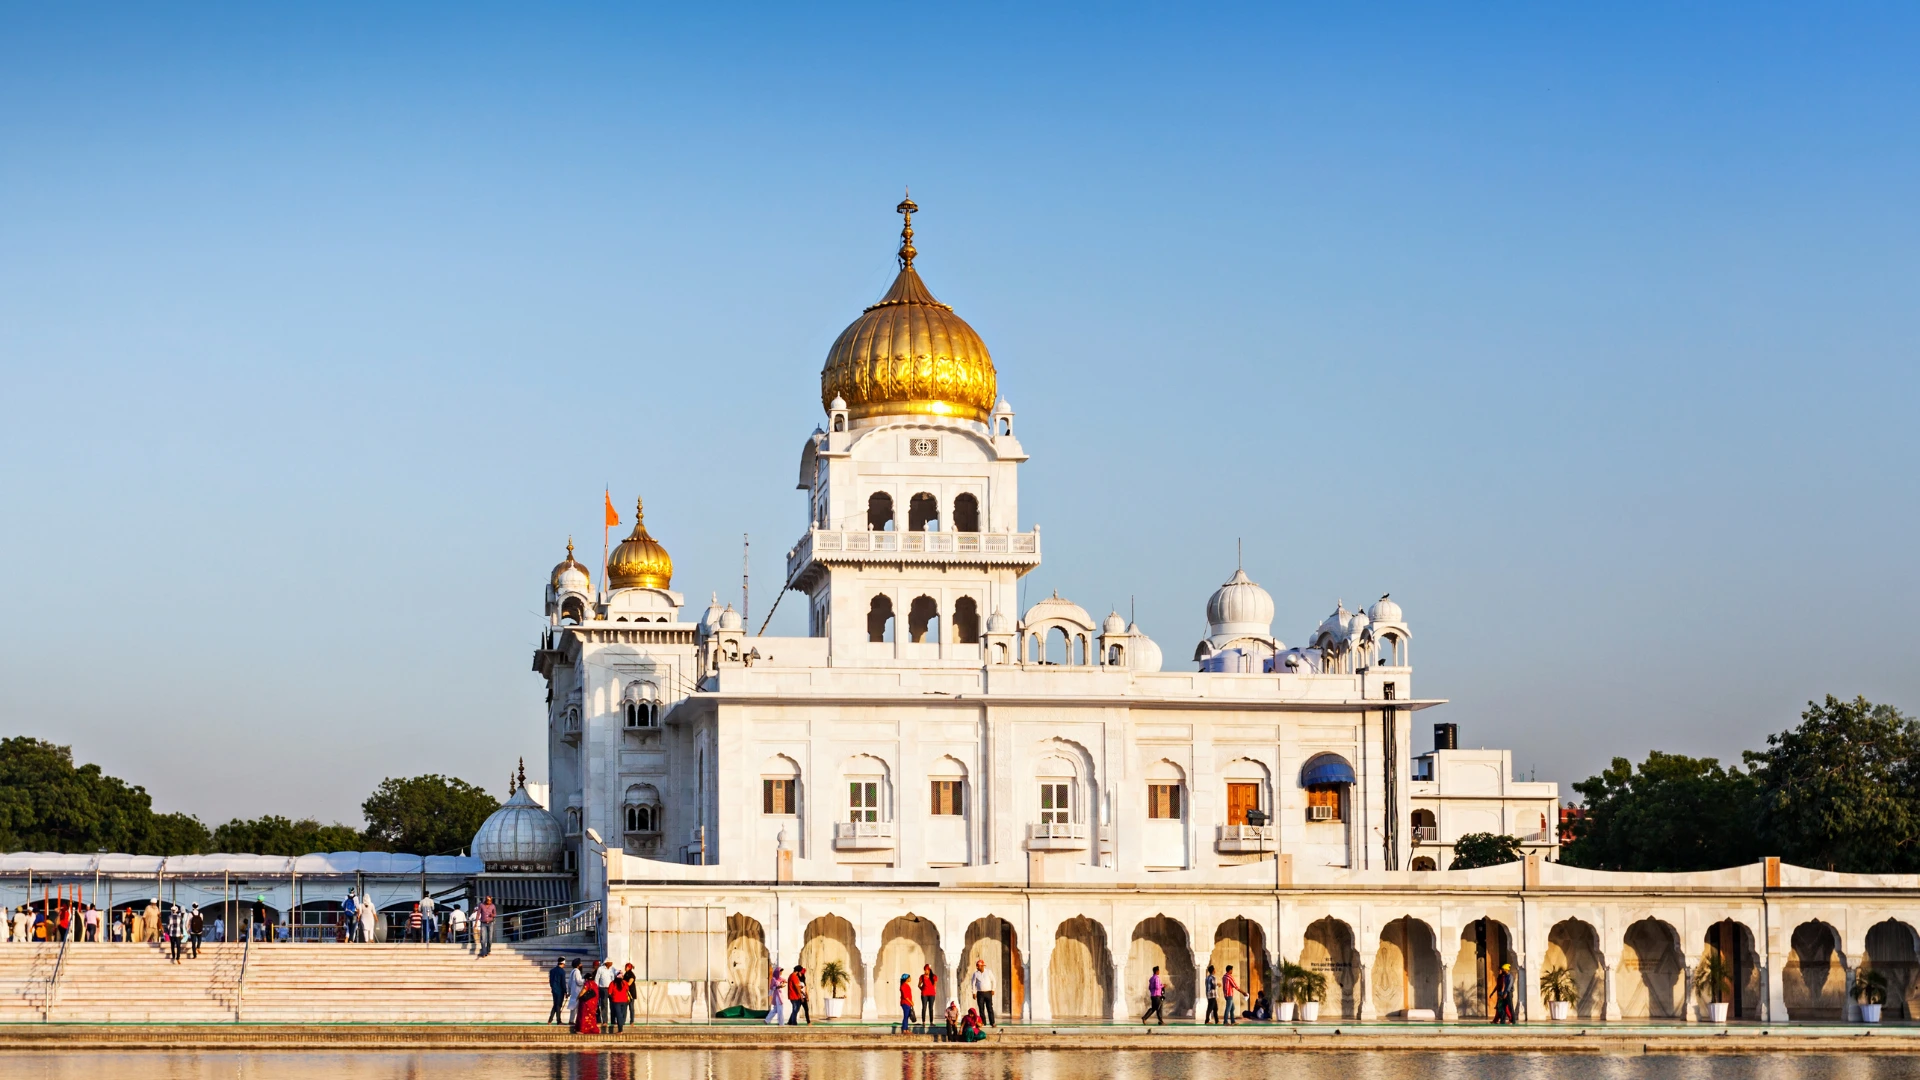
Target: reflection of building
[(933, 775), (1456, 792)]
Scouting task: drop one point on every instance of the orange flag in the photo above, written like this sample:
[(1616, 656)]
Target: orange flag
[(613, 516)]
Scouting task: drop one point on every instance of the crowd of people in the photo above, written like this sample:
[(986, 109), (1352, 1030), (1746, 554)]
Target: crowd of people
[(185, 928), (591, 999)]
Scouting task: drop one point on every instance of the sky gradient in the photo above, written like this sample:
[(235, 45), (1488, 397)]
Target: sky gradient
[(1589, 334)]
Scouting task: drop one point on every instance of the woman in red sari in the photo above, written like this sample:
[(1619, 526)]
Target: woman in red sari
[(589, 1012)]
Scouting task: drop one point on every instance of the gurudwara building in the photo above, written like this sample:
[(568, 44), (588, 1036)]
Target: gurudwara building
[(934, 775)]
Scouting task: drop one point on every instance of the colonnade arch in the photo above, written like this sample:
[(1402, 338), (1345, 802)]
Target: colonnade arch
[(1732, 942), (1816, 976), (1484, 945), (1574, 944), (908, 944), (1160, 942), (829, 938), (995, 941), (1651, 967), (748, 964), (1242, 944), (1894, 952), (1406, 969), (1327, 947), (1080, 972)]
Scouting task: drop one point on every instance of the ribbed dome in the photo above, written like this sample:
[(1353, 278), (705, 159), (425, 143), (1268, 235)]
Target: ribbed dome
[(1145, 655), (520, 837), (1058, 607), (639, 562), (1386, 611), (571, 573), (909, 354), (1240, 608)]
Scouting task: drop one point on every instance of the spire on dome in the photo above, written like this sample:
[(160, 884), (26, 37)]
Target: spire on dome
[(906, 211)]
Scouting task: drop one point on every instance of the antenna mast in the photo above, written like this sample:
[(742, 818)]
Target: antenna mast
[(744, 564)]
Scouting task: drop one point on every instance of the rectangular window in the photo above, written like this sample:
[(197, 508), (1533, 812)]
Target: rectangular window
[(1054, 807), (776, 797), (1240, 799), (1163, 800), (948, 797), (1323, 802), (863, 800)]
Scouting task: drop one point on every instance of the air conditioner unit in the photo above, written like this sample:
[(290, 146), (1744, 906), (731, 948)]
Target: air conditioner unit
[(1319, 813)]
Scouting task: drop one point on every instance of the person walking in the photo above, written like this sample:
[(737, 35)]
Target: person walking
[(1229, 989), (557, 982), (797, 995), (429, 919), (196, 929), (776, 995), (929, 992), (983, 986), (486, 915), (1156, 997), (93, 922), (1503, 996), (1213, 998), (906, 1004), (176, 923), (416, 926)]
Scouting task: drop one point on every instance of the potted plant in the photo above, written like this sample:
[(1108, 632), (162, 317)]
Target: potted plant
[(1311, 988), (1870, 990), (833, 976), (1286, 989), (1715, 979), (1557, 986)]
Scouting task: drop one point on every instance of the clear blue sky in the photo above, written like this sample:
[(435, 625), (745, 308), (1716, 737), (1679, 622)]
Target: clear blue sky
[(1589, 333)]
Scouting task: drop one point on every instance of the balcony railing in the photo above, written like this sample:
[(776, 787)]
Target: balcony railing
[(863, 545), (1426, 834), (1235, 839), (1057, 836), (862, 835)]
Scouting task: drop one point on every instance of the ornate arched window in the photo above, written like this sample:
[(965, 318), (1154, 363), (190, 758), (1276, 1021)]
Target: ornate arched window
[(643, 809), (640, 706)]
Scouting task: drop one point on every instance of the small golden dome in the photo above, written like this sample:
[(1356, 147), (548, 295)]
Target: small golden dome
[(569, 565), (639, 562), (909, 354)]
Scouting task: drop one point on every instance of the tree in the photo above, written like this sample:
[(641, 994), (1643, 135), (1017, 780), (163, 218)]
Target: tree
[(1484, 849), (1673, 813), (49, 804), (274, 835), (1838, 792), (425, 815)]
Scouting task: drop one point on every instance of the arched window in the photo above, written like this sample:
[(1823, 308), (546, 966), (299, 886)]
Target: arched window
[(1000, 653), (923, 513), (1164, 790), (643, 809), (923, 620), (949, 779), (966, 621), (573, 611), (640, 706), (780, 786), (1326, 778), (880, 511), (867, 794), (880, 619), (1424, 863), (839, 423), (1059, 784), (1116, 656), (1426, 830), (573, 821), (966, 513)]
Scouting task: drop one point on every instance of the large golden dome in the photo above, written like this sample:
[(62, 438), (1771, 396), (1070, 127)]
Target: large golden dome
[(639, 562), (909, 354)]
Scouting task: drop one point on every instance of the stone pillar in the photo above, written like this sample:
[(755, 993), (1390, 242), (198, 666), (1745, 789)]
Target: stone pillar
[(1364, 978), (1449, 1008), (1039, 998), (1610, 973), (1118, 1009), (1533, 1006), (1200, 990), (1850, 1009), (1689, 1005)]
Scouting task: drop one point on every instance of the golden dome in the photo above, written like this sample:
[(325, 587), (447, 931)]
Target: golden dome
[(909, 354), (639, 562), (570, 565)]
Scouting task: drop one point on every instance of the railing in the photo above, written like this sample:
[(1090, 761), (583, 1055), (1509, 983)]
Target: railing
[(1057, 835), (854, 835), (240, 985), (560, 920), (1426, 834), (53, 981), (1011, 547), (1239, 838)]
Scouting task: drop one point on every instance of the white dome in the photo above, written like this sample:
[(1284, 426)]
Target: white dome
[(998, 623), (838, 404), (729, 619), (1058, 607), (1114, 624), (520, 837), (711, 620), (1386, 611), (1142, 654), (1239, 608)]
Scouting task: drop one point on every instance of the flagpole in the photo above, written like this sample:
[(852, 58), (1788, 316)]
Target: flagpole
[(605, 532)]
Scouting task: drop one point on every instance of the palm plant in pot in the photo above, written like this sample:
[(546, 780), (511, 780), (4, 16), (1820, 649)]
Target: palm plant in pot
[(833, 976), (1557, 986), (1714, 978), (1870, 990), (1286, 989), (1308, 992)]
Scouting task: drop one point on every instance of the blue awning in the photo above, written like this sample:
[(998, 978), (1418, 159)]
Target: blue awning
[(1326, 769)]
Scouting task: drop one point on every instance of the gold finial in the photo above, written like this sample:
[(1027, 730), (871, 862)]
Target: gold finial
[(906, 210), (639, 512), (569, 549), (523, 772)]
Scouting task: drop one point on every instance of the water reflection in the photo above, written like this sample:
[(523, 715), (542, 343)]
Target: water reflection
[(948, 1065)]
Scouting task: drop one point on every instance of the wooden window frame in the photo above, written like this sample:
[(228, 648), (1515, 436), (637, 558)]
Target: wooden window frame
[(1163, 802), (779, 796), (949, 798)]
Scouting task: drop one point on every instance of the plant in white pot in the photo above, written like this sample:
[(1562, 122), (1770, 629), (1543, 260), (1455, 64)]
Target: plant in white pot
[(1557, 986), (833, 976), (1287, 989), (1870, 990), (1312, 987), (1714, 978)]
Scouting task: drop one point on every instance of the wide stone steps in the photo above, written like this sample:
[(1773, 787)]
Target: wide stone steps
[(291, 983)]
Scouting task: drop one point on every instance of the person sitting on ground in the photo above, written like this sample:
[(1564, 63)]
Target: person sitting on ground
[(1262, 1009), (970, 1027), (953, 1021)]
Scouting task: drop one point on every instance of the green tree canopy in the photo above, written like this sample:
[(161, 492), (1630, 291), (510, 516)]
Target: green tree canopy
[(1673, 813), (274, 835), (1839, 792), (49, 804), (1484, 849), (425, 815)]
